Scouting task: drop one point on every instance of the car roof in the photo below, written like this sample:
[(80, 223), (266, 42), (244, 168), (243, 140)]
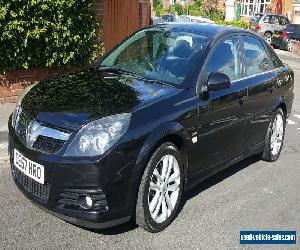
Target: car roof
[(204, 28), (273, 14)]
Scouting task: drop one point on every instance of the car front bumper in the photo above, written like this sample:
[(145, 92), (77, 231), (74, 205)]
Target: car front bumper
[(108, 180)]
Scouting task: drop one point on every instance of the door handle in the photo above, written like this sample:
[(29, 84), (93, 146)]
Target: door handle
[(270, 89), (241, 99)]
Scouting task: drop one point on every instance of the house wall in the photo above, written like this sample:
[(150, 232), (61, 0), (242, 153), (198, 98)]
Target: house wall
[(287, 5)]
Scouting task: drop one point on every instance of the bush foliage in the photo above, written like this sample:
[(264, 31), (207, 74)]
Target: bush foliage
[(47, 33), (237, 24)]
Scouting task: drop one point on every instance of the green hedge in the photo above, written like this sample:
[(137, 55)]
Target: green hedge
[(47, 33), (237, 24)]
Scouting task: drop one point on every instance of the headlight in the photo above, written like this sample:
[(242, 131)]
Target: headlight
[(98, 136), (18, 104)]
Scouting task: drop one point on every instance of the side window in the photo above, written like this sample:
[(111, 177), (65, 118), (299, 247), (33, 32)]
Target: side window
[(267, 19), (276, 20), (256, 57), (226, 59), (284, 21), (275, 59)]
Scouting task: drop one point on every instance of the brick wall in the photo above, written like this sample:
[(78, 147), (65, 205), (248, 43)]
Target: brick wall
[(13, 83)]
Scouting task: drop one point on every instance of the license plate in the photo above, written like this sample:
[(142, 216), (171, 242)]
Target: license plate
[(30, 168)]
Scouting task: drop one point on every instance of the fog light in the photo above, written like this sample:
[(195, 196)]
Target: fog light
[(86, 201)]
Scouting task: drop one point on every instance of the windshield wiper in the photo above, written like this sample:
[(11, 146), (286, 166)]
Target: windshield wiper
[(119, 70), (135, 75)]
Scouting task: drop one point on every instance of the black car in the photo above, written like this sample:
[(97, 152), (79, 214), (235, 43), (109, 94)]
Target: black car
[(282, 39), (168, 107), (168, 18)]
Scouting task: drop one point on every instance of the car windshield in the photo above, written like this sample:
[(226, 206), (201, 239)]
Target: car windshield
[(158, 54)]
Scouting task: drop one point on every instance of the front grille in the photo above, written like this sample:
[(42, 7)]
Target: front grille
[(22, 123), (47, 144), (69, 198), (31, 186), (43, 143)]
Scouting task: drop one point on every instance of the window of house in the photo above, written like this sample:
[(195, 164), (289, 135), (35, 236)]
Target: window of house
[(250, 7)]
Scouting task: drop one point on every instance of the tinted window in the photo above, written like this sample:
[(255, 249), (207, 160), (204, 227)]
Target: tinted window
[(276, 20), (226, 59), (293, 28), (284, 21), (158, 54), (275, 59), (256, 57)]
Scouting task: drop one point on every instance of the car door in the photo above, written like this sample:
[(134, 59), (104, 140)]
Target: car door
[(266, 23), (261, 80), (221, 129), (276, 23), (295, 32)]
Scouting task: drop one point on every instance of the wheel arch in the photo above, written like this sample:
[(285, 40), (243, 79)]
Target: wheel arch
[(280, 103), (269, 31), (173, 132)]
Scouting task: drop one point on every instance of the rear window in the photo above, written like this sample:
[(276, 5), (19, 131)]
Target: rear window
[(267, 19)]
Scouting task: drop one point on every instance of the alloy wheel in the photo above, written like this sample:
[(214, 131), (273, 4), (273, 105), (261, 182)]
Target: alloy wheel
[(164, 188), (277, 134)]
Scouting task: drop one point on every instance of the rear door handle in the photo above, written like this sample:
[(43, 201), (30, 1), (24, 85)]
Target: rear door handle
[(270, 89)]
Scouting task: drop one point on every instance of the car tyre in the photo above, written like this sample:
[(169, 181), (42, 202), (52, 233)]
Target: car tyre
[(275, 136), (160, 189)]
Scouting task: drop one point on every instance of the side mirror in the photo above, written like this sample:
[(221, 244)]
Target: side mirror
[(217, 81)]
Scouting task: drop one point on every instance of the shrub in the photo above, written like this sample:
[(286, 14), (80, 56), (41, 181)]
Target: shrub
[(177, 8), (203, 8), (159, 9), (195, 10), (237, 24), (43, 33)]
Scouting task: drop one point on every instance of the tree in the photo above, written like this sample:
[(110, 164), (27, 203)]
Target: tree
[(209, 8)]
